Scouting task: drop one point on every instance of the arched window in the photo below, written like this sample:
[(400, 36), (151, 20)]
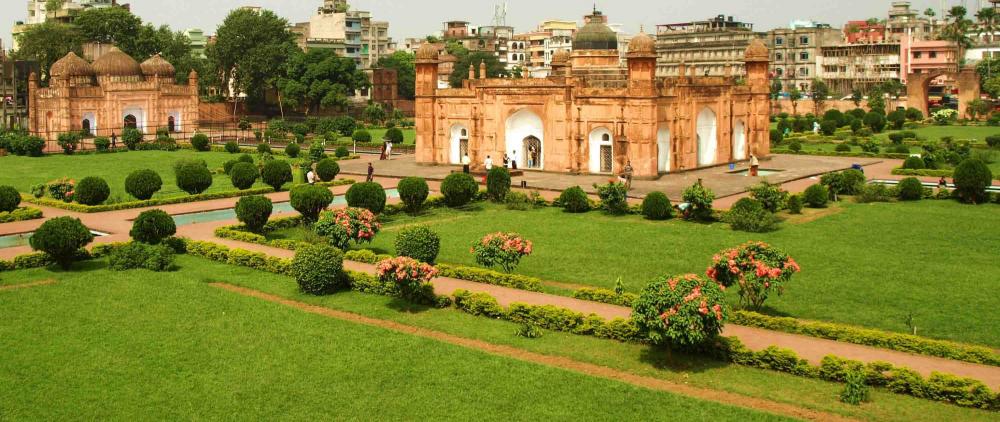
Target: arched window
[(130, 121), (86, 126), (171, 124), (606, 137)]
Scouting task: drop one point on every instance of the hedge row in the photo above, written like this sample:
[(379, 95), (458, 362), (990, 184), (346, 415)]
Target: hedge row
[(922, 172), (41, 259), (87, 209), (870, 337), (946, 388), (478, 275), (20, 214), (606, 296), (547, 316), (843, 154)]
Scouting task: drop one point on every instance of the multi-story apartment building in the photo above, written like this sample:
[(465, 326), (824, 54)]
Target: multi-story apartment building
[(349, 33), (709, 47), (198, 41), (847, 67), (905, 22), (38, 14), (795, 52), (495, 39), (933, 56)]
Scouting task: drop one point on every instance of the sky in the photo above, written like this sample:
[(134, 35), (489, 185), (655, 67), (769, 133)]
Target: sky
[(418, 18)]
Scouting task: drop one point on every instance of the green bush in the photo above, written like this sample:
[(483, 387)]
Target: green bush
[(228, 166), (152, 227), (875, 121), (69, 141), (842, 148), (244, 175), (310, 200), (897, 119), (134, 256), (92, 191), (816, 196), (131, 137), (459, 189), (102, 144), (394, 135), (232, 147), (896, 137), (910, 189), (413, 192), (263, 148), (254, 211), (10, 198), (856, 390), (518, 201), (276, 173), (61, 238), (835, 116), (327, 169), (143, 184), (700, 199), (341, 152), (795, 204), (874, 193), (419, 243), (245, 158), (665, 315), (193, 178), (344, 124), (795, 146), (972, 177), (361, 135), (750, 215), (200, 142), (318, 269), (828, 127), (913, 114), (368, 195), (993, 141), (656, 206), (614, 198), (574, 200), (914, 163), (292, 150), (497, 183), (770, 195)]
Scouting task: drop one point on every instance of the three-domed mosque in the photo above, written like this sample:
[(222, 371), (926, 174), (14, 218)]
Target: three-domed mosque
[(113, 92), (593, 114)]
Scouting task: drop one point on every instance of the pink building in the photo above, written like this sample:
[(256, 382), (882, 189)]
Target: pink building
[(927, 57)]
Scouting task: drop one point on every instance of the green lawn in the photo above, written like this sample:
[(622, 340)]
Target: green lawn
[(139, 346), (870, 264), (23, 172), (409, 136), (935, 133)]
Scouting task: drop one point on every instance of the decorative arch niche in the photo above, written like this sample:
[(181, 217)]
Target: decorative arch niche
[(523, 130), (708, 137)]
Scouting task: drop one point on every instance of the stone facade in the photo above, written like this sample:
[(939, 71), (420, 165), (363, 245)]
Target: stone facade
[(594, 115), (114, 92)]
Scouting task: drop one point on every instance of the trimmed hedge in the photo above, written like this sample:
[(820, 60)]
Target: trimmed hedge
[(419, 242), (200, 142), (20, 214), (10, 198), (478, 275), (910, 189), (459, 189), (193, 178), (922, 172), (870, 337), (574, 200), (318, 269), (327, 169), (254, 211), (143, 184), (498, 183), (152, 227), (92, 191), (413, 192), (656, 206), (606, 296), (310, 200), (61, 238), (367, 195), (49, 202), (244, 175)]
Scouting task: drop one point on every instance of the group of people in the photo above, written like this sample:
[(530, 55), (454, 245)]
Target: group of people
[(386, 150)]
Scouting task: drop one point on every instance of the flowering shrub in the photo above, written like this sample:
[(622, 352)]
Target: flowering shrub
[(412, 277), (756, 267), (682, 311), (944, 116), (62, 189), (358, 224), (501, 249)]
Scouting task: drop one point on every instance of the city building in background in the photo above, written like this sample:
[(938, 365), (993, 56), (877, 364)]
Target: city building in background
[(199, 41), (849, 67), (795, 52), (349, 33), (37, 13), (709, 46)]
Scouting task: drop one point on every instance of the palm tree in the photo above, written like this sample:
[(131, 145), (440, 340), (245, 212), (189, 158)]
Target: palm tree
[(958, 28), (987, 24)]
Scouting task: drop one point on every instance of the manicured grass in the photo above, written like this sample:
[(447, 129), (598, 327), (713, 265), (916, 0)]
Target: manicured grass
[(23, 172), (977, 134), (129, 346), (866, 264), (409, 135)]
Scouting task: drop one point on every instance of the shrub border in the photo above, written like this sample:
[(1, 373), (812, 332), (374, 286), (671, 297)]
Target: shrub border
[(20, 214), (899, 171)]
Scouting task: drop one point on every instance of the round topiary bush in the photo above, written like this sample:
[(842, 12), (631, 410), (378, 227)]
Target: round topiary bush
[(419, 243), (816, 196), (370, 196), (318, 269), (910, 189), (750, 215), (61, 238), (10, 198), (394, 135), (972, 177), (498, 183), (795, 146), (244, 175), (232, 147), (656, 206), (795, 204), (413, 192), (310, 200), (914, 163), (993, 140), (361, 135), (152, 227), (193, 178), (92, 191), (228, 166), (245, 158), (200, 142), (131, 137), (263, 148), (842, 148), (459, 189), (683, 311), (143, 184), (292, 150), (574, 200), (276, 173), (254, 211), (341, 152), (327, 169)]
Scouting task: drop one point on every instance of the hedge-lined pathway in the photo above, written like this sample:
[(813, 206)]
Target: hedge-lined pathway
[(812, 349)]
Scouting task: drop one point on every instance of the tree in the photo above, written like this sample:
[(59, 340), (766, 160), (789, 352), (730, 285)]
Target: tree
[(991, 86), (251, 50), (820, 91), (795, 95), (319, 78), (52, 6), (406, 74), (957, 29), (48, 42), (876, 101), (987, 18), (930, 13), (776, 89), (976, 108), (894, 88), (110, 25), (857, 97), (373, 114), (465, 59)]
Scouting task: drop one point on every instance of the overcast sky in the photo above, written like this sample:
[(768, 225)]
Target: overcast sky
[(414, 18)]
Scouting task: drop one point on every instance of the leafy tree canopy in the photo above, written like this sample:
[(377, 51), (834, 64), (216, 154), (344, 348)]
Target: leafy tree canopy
[(48, 42), (319, 78), (252, 49), (406, 73)]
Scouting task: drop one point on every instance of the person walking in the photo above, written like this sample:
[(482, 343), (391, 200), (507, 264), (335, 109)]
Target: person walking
[(371, 173), (388, 150), (114, 141), (754, 166), (488, 163), (506, 161), (629, 171), (381, 155), (513, 159), (466, 161)]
